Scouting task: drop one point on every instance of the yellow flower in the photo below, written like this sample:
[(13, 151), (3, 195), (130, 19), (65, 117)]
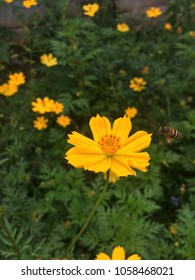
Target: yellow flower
[(29, 3), (17, 79), (63, 120), (168, 26), (40, 123), (145, 70), (42, 106), (191, 33), (8, 1), (153, 12), (91, 9), (122, 27), (111, 148), (137, 84), (131, 112), (172, 230), (8, 89), (57, 108), (48, 60), (117, 254)]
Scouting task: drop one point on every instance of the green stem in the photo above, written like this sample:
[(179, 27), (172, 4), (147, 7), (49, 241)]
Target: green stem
[(87, 221)]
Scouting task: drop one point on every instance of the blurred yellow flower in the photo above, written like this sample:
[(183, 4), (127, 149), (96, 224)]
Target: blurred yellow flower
[(48, 60), (111, 148), (191, 33), (117, 254), (91, 9), (153, 12), (8, 89), (137, 84), (63, 120), (8, 1), (42, 106), (29, 3), (122, 27), (131, 112), (17, 79), (40, 123), (172, 230), (57, 108), (168, 26), (145, 70)]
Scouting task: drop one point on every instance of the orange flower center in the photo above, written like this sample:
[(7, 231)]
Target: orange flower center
[(109, 144)]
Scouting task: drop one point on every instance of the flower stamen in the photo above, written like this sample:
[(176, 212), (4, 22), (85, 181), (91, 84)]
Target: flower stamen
[(109, 144)]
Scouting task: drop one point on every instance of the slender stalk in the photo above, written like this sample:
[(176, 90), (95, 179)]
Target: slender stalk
[(87, 221)]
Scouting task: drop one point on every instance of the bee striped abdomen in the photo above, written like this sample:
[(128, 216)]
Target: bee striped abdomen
[(170, 132)]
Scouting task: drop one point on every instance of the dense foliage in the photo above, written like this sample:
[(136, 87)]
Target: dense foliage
[(43, 200)]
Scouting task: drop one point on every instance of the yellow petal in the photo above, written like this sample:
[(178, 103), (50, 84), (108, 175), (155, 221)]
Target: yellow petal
[(134, 257), (121, 128), (118, 253), (121, 167), (102, 256), (100, 126), (80, 140), (135, 144)]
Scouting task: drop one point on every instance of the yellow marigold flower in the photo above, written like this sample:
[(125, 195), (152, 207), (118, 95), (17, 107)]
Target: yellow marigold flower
[(40, 123), (57, 108), (8, 89), (63, 120), (29, 3), (168, 26), (172, 230), (122, 27), (111, 148), (91, 9), (153, 12), (17, 79), (8, 1), (137, 84), (42, 106), (191, 33), (117, 254), (131, 112), (48, 60), (145, 70)]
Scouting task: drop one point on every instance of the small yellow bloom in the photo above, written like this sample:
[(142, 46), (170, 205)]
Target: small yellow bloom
[(8, 89), (122, 27), (131, 112), (112, 149), (17, 79), (191, 33), (153, 12), (168, 26), (63, 120), (91, 9), (172, 230), (48, 60), (40, 123), (57, 108), (117, 254), (137, 84), (8, 1), (29, 3), (43, 106), (145, 70)]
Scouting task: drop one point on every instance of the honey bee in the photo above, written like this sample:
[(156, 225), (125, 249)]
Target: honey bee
[(169, 132)]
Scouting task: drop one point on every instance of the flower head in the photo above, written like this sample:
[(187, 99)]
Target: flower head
[(191, 33), (172, 229), (48, 60), (8, 1), (117, 254), (42, 106), (131, 112), (153, 12), (91, 9), (57, 108), (122, 27), (40, 123), (63, 120), (137, 84), (168, 26), (111, 148), (29, 3), (17, 79), (8, 89), (145, 70)]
